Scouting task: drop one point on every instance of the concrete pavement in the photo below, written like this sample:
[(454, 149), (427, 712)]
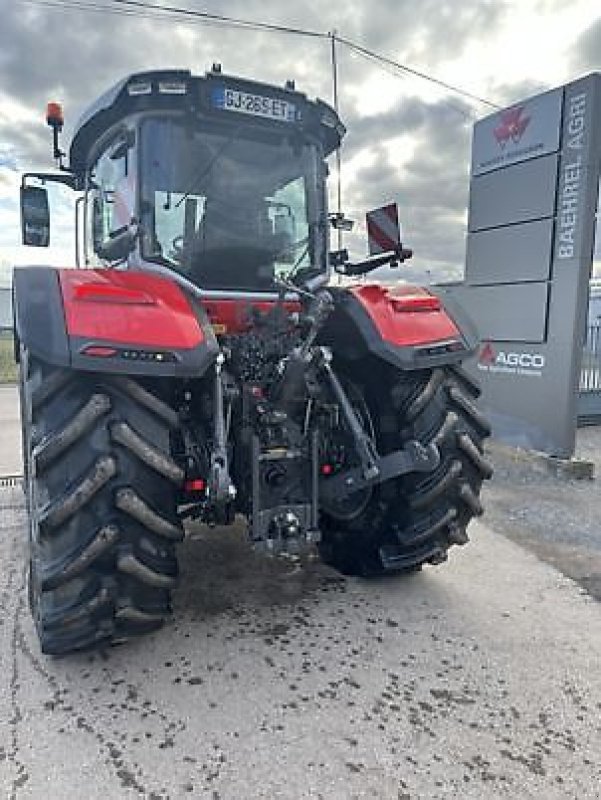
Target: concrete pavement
[(10, 433), (475, 680)]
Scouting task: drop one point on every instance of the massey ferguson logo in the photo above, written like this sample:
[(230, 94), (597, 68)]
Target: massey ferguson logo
[(504, 361), (487, 355), (512, 126)]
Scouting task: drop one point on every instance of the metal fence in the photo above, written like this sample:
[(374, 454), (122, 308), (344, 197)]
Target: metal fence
[(590, 375), (6, 311), (8, 369)]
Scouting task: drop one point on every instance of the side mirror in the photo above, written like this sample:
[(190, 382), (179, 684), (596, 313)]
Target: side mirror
[(119, 244), (35, 216), (341, 223)]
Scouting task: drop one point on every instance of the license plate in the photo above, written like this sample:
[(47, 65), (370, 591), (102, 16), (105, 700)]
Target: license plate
[(256, 105)]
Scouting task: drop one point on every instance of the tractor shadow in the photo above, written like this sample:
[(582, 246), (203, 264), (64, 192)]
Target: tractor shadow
[(220, 573)]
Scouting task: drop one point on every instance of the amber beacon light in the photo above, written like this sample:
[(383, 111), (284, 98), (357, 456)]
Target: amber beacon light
[(55, 118), (54, 115)]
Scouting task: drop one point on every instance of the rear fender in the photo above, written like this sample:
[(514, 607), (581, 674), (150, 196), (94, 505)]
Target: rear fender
[(112, 321), (404, 325)]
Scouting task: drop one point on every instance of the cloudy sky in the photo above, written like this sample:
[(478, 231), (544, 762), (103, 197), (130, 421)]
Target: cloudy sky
[(408, 140)]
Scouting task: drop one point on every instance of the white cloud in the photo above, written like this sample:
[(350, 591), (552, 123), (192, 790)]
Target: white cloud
[(397, 146)]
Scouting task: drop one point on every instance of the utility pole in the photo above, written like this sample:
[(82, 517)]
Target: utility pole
[(333, 37)]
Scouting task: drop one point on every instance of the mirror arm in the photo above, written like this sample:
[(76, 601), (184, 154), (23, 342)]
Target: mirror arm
[(67, 178), (363, 267)]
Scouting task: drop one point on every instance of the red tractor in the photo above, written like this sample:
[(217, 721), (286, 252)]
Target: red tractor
[(200, 365)]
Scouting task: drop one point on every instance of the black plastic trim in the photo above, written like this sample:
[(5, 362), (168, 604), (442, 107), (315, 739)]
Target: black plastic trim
[(185, 363), (39, 315)]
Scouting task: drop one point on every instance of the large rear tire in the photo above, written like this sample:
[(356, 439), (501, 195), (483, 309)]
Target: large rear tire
[(414, 520), (101, 493)]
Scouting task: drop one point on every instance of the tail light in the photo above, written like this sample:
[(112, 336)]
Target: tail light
[(109, 293), (416, 302), (195, 485)]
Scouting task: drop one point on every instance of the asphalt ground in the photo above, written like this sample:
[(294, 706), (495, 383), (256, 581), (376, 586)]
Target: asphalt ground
[(476, 679)]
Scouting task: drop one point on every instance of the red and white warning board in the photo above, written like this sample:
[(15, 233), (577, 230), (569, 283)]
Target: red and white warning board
[(383, 229)]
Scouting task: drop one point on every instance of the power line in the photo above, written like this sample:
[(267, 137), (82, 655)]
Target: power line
[(237, 21), (99, 8), (152, 10), (131, 8), (416, 73), (76, 5), (397, 73)]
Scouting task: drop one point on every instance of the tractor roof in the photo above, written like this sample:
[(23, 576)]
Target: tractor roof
[(179, 90)]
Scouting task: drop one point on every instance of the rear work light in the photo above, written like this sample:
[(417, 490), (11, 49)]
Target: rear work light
[(172, 87), (139, 87)]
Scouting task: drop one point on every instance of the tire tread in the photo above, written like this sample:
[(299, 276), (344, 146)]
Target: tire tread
[(98, 572), (417, 518)]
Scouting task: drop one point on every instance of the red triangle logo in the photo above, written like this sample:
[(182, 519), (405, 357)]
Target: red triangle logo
[(487, 354)]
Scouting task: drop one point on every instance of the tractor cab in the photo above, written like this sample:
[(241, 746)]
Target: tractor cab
[(218, 179), (230, 208)]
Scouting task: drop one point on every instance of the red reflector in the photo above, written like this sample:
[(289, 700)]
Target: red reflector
[(108, 293), (327, 469), (415, 302), (195, 485), (99, 351)]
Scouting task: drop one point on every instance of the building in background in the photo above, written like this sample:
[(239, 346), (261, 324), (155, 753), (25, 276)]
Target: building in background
[(530, 258)]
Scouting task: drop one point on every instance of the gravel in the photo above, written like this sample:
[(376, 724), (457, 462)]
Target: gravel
[(558, 519)]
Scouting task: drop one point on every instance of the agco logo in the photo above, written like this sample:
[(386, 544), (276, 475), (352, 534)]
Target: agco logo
[(512, 126), (510, 362)]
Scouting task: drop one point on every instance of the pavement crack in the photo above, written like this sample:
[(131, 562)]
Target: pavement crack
[(123, 771), (16, 716), (14, 590)]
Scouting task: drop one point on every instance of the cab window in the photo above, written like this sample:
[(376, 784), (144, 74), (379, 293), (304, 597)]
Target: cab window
[(111, 194)]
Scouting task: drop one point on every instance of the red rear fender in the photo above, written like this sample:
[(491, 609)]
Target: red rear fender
[(406, 316), (112, 321), (135, 308), (405, 325)]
